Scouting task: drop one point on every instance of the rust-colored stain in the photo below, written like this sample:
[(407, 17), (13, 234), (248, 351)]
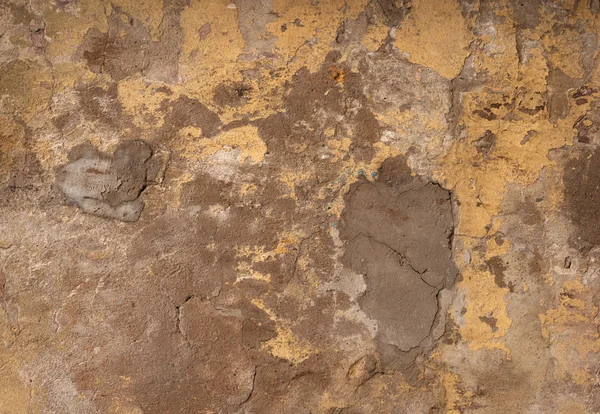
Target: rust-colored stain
[(337, 74)]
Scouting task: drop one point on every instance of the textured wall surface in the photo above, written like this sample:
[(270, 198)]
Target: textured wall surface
[(299, 206)]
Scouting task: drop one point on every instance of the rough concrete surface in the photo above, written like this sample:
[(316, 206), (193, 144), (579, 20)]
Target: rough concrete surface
[(299, 206)]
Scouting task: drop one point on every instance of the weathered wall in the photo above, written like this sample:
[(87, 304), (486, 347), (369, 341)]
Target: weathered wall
[(299, 206)]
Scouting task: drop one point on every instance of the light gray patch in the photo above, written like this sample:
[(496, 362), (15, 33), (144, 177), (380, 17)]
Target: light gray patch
[(109, 186), (253, 18), (559, 85), (392, 83)]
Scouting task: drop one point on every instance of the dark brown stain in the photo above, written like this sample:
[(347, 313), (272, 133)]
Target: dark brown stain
[(485, 144), (491, 321), (121, 51), (526, 13), (499, 239), (497, 266), (530, 134), (97, 171), (127, 47), (393, 11), (20, 13), (584, 91), (588, 126), (204, 31), (582, 196), (185, 111), (102, 105), (61, 121), (234, 95), (485, 113), (505, 388), (451, 332), (93, 49), (536, 264), (205, 191), (315, 102), (583, 139), (24, 176), (37, 33), (532, 111)]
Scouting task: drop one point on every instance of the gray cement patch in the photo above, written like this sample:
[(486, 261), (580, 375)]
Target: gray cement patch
[(109, 186), (398, 232)]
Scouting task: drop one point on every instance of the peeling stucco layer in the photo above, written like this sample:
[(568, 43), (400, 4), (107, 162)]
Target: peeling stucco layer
[(299, 206)]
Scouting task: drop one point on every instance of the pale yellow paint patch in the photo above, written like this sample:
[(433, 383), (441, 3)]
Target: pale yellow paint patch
[(176, 187), (67, 30), (338, 148), (46, 152), (68, 74), (481, 186), (499, 58), (211, 48), (309, 41), (286, 240), (15, 395), (478, 181), (124, 406), (484, 298), (219, 43), (249, 255), (142, 100), (572, 329), (247, 188), (291, 178), (285, 345), (245, 139), (452, 395), (564, 48), (245, 272), (572, 407), (190, 132), (436, 35), (25, 88)]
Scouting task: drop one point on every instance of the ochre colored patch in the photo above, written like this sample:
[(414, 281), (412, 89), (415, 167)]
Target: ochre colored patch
[(484, 297), (245, 139), (436, 35), (285, 345), (142, 101), (572, 350)]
